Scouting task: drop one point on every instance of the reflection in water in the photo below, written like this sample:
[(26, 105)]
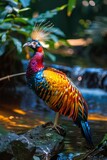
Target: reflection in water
[(25, 115), (19, 121), (97, 117), (18, 118), (19, 111)]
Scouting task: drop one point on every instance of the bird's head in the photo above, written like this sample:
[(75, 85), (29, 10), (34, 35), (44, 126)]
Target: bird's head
[(35, 45), (36, 62)]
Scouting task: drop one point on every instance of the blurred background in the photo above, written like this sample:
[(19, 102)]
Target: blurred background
[(74, 41)]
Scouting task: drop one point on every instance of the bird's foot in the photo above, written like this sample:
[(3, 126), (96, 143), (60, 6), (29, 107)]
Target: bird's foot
[(50, 126), (58, 129)]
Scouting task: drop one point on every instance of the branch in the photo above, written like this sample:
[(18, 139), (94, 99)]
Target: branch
[(12, 75)]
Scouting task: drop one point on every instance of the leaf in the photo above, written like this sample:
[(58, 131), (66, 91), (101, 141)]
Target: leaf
[(57, 31), (53, 37), (3, 14), (1, 20), (25, 3), (51, 56), (5, 26), (22, 20), (16, 9), (2, 49), (3, 38), (12, 3), (24, 9), (61, 8), (21, 31), (8, 20), (47, 15), (71, 5), (2, 33), (18, 44)]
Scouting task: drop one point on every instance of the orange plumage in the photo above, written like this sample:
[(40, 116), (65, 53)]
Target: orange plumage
[(66, 98), (57, 90)]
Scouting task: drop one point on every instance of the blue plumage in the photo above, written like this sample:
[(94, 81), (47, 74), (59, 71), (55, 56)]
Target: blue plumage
[(57, 90), (86, 132)]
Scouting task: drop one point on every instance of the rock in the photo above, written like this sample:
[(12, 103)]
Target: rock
[(42, 142)]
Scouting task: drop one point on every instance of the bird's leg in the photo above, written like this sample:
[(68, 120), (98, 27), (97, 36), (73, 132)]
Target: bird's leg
[(56, 119), (56, 126)]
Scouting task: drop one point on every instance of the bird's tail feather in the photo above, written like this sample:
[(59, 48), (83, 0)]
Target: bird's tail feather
[(86, 132)]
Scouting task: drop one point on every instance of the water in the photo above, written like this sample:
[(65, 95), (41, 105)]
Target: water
[(21, 118)]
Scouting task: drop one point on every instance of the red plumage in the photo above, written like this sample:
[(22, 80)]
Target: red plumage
[(57, 90)]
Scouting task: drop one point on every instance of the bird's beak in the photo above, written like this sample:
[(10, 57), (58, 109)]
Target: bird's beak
[(26, 44)]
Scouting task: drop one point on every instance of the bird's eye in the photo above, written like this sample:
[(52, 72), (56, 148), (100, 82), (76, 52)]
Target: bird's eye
[(34, 43)]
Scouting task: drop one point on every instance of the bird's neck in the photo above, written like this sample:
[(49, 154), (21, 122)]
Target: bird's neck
[(38, 60), (39, 49)]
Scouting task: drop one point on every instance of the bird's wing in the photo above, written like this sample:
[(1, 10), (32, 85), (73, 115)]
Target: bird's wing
[(56, 79), (61, 95)]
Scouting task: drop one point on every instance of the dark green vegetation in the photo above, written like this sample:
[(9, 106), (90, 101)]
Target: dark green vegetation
[(77, 19), (15, 29)]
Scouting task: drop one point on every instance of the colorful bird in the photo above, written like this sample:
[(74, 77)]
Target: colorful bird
[(57, 90)]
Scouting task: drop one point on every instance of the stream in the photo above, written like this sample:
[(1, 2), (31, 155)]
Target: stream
[(18, 119), (23, 110)]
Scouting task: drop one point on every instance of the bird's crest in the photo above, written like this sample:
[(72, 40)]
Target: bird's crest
[(42, 31)]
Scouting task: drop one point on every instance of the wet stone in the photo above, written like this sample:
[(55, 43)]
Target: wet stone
[(40, 143)]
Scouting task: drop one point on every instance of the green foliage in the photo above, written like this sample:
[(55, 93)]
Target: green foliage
[(15, 29), (18, 44), (48, 14), (71, 5), (12, 26), (25, 3)]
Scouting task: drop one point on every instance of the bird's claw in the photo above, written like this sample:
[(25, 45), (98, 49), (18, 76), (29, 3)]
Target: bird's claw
[(58, 129)]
